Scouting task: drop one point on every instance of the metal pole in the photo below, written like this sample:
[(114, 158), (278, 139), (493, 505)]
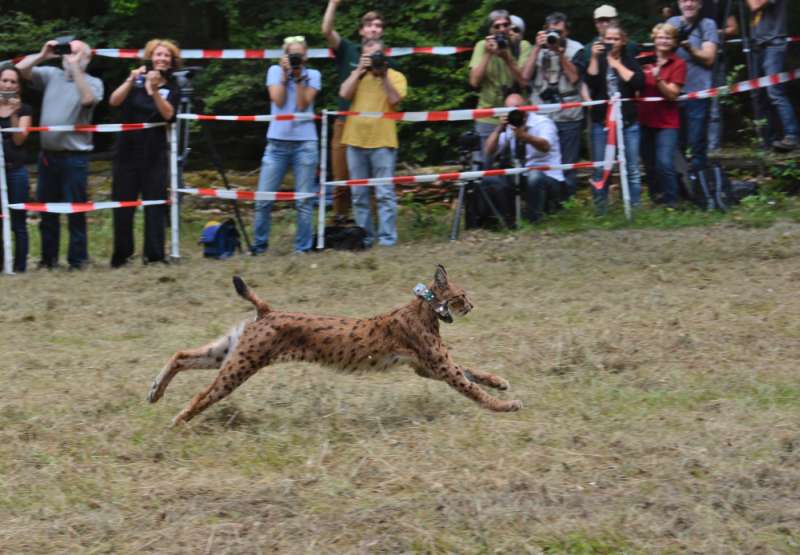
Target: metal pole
[(323, 178), (616, 106), (8, 254), (172, 140)]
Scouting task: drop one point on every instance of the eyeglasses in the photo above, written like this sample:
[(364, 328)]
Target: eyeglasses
[(501, 25), (295, 39)]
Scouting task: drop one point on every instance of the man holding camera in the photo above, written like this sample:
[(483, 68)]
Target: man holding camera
[(555, 66), (698, 39), (533, 140), (292, 88), (372, 142), (495, 69), (768, 32), (346, 55), (70, 95)]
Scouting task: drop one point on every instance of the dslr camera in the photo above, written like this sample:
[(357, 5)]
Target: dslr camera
[(554, 38), (517, 118), (501, 40), (684, 31), (295, 60), (63, 48), (551, 95), (165, 73), (378, 60)]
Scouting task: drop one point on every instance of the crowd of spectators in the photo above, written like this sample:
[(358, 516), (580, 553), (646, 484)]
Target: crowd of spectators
[(505, 69)]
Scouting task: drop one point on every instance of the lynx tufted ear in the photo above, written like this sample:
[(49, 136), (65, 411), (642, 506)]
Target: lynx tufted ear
[(440, 277)]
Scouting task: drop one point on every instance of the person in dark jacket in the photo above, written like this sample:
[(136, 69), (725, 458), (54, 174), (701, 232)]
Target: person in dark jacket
[(150, 94), (611, 70)]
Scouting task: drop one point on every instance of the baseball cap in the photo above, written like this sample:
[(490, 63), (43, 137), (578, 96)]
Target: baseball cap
[(517, 21), (605, 11)]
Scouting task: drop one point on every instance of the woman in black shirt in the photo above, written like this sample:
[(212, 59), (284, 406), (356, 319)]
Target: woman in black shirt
[(13, 113), (613, 70), (150, 94)]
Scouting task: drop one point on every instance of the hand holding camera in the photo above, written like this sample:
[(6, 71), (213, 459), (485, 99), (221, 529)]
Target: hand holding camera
[(10, 99)]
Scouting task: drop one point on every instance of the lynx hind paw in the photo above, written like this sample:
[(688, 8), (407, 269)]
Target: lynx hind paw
[(153, 395)]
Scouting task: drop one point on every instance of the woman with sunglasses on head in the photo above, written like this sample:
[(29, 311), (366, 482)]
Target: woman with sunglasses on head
[(150, 94), (13, 113), (292, 88), (661, 122), (611, 70)]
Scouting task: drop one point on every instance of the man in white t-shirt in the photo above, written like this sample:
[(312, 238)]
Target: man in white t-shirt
[(544, 189)]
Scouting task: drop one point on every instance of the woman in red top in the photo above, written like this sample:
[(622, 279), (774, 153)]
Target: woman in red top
[(660, 121)]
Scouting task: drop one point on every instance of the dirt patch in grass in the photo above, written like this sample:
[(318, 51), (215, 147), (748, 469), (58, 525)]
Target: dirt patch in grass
[(658, 371)]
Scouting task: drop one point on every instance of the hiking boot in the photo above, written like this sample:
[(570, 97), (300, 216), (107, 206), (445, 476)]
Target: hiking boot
[(787, 144)]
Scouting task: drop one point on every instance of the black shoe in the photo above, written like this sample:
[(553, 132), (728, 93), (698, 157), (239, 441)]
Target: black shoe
[(79, 267), (47, 265)]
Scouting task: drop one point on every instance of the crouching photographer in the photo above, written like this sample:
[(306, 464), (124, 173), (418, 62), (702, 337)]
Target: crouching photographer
[(532, 139), (150, 94)]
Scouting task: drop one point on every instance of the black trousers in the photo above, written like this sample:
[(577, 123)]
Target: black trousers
[(132, 179)]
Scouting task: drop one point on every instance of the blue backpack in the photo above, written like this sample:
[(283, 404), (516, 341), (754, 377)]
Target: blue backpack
[(220, 240)]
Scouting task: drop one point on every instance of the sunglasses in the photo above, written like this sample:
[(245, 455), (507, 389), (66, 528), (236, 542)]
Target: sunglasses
[(295, 39), (516, 29)]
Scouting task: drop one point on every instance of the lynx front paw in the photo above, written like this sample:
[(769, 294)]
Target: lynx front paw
[(513, 406)]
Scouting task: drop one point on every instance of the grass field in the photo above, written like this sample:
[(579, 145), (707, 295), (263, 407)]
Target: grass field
[(658, 369)]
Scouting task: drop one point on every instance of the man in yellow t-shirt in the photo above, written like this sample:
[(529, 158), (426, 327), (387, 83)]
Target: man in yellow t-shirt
[(372, 142)]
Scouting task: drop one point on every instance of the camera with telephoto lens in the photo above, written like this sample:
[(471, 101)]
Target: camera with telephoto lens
[(608, 47), (377, 60), (501, 40), (63, 46), (517, 118), (295, 60), (554, 38)]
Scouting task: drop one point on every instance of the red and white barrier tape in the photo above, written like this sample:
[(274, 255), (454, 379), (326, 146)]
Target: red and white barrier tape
[(99, 128), (728, 41), (248, 195), (261, 117), (743, 86), (76, 207), (455, 176), (461, 115), (275, 53)]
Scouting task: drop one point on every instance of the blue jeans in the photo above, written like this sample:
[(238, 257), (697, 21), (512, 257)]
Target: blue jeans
[(17, 179), (569, 138), (62, 178), (770, 59), (363, 163), (658, 153), (303, 157), (694, 130), (630, 135), (543, 194)]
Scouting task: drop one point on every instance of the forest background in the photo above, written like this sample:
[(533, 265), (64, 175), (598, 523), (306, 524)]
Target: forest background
[(237, 87)]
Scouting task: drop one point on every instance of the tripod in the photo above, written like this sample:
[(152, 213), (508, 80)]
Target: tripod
[(468, 163), (184, 78)]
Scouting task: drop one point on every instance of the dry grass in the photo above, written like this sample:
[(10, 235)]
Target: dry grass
[(658, 371)]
